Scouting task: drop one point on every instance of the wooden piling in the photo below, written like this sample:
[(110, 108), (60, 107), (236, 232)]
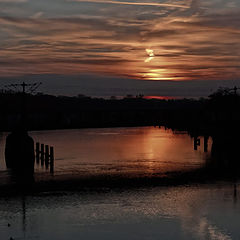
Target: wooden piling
[(206, 143), (196, 143), (42, 154), (51, 160), (37, 152), (46, 156)]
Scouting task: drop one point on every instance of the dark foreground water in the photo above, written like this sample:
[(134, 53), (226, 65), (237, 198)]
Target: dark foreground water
[(185, 212), (171, 211)]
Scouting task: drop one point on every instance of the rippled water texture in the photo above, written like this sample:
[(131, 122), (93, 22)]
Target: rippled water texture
[(183, 212)]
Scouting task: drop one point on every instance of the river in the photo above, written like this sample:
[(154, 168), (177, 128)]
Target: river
[(193, 211)]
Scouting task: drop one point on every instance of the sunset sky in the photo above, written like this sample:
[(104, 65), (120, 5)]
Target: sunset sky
[(109, 47)]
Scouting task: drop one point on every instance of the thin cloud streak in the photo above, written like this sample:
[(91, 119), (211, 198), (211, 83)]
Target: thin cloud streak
[(13, 1), (152, 4)]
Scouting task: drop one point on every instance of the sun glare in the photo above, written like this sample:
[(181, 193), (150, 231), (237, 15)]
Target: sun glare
[(150, 54), (157, 74)]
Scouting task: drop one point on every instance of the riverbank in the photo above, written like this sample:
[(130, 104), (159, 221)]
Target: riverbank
[(65, 183)]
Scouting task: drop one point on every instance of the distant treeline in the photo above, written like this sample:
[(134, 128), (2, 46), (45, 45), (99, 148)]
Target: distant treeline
[(58, 112)]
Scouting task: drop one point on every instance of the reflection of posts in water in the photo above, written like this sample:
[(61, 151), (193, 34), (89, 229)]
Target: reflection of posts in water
[(51, 160), (23, 214), (46, 156), (37, 152), (42, 154), (196, 142)]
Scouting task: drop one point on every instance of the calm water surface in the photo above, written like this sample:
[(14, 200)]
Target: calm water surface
[(142, 151)]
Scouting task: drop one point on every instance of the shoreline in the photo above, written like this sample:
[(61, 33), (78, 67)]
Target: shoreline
[(101, 183)]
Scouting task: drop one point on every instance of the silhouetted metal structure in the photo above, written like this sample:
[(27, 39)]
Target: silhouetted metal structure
[(19, 149), (234, 89)]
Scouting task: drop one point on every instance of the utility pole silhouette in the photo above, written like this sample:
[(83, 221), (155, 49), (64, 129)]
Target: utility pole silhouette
[(234, 90), (19, 147), (25, 88)]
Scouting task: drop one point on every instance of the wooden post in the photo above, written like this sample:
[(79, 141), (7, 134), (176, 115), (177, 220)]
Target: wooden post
[(37, 152), (196, 143), (46, 156), (42, 154), (51, 160), (205, 143)]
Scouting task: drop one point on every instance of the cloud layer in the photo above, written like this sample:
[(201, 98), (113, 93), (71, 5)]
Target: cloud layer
[(191, 39)]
